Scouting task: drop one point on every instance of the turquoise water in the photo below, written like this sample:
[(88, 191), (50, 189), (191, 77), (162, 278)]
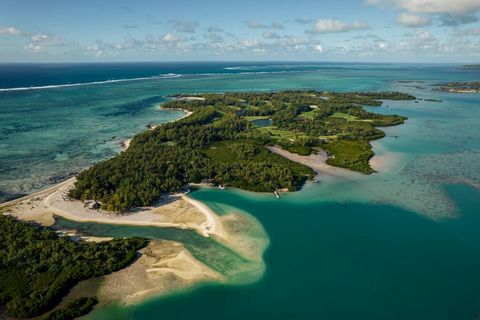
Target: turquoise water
[(399, 244), (342, 261)]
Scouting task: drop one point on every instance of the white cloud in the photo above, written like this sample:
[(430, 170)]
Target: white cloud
[(457, 7), (33, 47), (440, 6), (318, 48), (335, 26), (249, 43), (39, 42), (169, 37), (412, 20), (11, 31)]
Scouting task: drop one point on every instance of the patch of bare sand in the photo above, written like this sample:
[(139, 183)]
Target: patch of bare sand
[(315, 161), (163, 267)]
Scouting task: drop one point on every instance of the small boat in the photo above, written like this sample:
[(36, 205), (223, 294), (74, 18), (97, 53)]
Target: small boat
[(276, 194), (221, 187), (316, 181)]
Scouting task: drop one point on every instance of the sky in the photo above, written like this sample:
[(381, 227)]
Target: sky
[(203, 30)]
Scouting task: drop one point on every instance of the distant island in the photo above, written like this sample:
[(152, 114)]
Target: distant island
[(471, 66), (459, 87), (223, 141)]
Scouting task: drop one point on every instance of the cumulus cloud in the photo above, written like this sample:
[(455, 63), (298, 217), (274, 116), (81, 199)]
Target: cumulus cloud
[(249, 43), (335, 26), (11, 31), (441, 6), (170, 37), (412, 20), (39, 42), (254, 24), (457, 7)]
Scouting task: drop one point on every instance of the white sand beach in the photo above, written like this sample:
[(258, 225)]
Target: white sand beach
[(176, 210)]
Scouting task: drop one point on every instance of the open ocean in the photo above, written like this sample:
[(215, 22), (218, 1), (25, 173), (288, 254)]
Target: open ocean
[(403, 243)]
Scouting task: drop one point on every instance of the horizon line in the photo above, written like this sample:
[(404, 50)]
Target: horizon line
[(237, 61)]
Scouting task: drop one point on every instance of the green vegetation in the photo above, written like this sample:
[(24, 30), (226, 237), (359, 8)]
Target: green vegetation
[(473, 86), (248, 165), (38, 267), (219, 143), (350, 154), (73, 310)]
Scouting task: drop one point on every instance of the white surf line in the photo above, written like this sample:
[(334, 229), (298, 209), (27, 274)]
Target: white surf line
[(54, 86)]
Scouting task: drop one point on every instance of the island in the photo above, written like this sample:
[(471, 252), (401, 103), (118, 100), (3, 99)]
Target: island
[(224, 142), (471, 66), (459, 87), (256, 141)]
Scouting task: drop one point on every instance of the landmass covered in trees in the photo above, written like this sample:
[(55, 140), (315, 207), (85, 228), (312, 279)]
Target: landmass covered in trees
[(38, 267), (459, 87), (223, 141), (73, 310)]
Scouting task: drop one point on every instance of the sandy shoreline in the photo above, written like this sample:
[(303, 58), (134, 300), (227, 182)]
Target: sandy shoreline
[(176, 211), (163, 266)]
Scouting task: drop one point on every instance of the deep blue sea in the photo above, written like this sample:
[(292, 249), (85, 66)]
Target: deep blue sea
[(399, 244)]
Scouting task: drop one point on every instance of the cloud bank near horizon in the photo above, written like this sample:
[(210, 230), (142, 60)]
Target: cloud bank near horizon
[(389, 30)]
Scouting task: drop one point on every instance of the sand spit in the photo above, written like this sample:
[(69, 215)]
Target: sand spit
[(163, 267), (316, 161)]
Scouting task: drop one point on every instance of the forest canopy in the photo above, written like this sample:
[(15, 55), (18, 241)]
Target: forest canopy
[(38, 267)]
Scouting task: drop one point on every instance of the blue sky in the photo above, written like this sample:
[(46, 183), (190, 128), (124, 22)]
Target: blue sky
[(303, 30)]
